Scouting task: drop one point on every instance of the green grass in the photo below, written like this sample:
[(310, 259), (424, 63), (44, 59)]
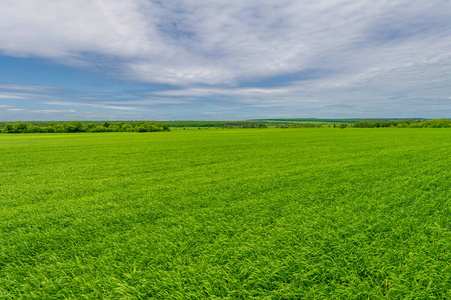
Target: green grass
[(227, 214)]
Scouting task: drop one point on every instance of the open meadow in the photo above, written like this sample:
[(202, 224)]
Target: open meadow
[(227, 214)]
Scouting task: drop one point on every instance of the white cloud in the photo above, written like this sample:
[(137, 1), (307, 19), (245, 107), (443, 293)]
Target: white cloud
[(199, 92), (25, 92), (7, 109), (13, 96), (20, 95), (360, 53), (193, 41), (25, 87), (98, 105)]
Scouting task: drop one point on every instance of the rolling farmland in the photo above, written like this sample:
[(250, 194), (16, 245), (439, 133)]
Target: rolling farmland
[(226, 214)]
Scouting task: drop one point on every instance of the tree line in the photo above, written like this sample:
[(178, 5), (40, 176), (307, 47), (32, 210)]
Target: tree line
[(77, 126), (299, 125), (116, 126), (434, 123), (152, 126), (218, 124)]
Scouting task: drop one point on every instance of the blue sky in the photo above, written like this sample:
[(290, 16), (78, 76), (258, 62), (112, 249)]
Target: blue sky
[(224, 60)]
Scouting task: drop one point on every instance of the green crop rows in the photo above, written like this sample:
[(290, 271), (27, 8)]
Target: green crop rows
[(227, 214)]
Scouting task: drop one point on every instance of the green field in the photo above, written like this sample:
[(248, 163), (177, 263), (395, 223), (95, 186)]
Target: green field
[(227, 214)]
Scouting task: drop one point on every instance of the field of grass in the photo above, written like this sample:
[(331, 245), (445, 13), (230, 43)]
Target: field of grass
[(227, 214)]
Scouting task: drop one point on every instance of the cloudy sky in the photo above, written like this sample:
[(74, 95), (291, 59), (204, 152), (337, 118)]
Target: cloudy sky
[(224, 59)]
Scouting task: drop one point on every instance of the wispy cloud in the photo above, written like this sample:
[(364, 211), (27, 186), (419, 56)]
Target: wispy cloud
[(183, 42), (13, 96), (25, 92), (5, 109), (326, 58), (98, 105), (27, 87)]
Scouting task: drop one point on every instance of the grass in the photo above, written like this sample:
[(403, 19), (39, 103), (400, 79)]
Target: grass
[(227, 214)]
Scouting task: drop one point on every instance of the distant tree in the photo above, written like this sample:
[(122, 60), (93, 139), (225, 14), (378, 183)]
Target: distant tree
[(9, 128), (21, 126), (58, 128), (100, 128), (90, 126), (343, 125), (33, 129), (114, 127), (73, 126), (126, 127)]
